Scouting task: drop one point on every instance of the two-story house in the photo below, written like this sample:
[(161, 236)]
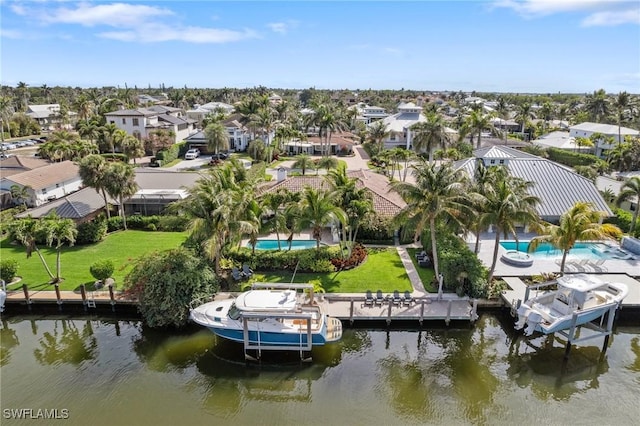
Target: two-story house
[(140, 122), (239, 136)]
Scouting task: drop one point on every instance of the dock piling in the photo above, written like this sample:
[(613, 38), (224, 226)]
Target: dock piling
[(421, 311), (351, 312), (448, 318), (83, 293), (389, 312), (112, 298), (474, 310), (58, 298), (27, 299)]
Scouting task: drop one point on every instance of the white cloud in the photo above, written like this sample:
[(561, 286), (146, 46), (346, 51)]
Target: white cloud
[(599, 12), (393, 51), (153, 33), (601, 19), (14, 34), (283, 27), (130, 22)]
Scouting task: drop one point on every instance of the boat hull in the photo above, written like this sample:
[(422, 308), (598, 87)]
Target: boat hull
[(267, 338)]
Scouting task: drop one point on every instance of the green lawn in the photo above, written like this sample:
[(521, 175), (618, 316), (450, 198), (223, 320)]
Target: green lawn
[(383, 270), (121, 247), (426, 274)]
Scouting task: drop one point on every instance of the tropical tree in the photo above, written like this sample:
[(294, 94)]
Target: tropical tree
[(506, 205), (583, 142), (430, 134), (6, 110), (27, 231), (89, 129), (21, 194), (275, 218), (377, 133), (597, 105), (630, 192), (622, 107), (304, 162), (437, 196), (132, 147), (58, 232), (217, 137), (523, 114), (92, 170), (326, 163), (120, 183), (317, 209), (580, 223), (157, 140)]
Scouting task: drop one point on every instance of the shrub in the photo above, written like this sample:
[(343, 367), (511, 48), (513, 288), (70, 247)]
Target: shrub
[(8, 269), (459, 266), (114, 224), (358, 255), (376, 227), (91, 232), (573, 159), (116, 157), (102, 269), (310, 260), (622, 219), (170, 154), (172, 223)]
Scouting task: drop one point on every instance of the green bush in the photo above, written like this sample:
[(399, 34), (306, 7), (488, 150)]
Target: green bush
[(376, 227), (622, 219), (116, 157), (91, 232), (310, 260), (172, 223), (8, 269), (459, 266), (172, 153), (572, 159), (102, 269), (114, 224)]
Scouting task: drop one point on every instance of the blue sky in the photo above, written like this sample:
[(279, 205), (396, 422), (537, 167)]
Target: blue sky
[(502, 45)]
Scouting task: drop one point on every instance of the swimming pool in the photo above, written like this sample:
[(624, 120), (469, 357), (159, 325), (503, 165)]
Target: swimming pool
[(284, 244), (546, 251)]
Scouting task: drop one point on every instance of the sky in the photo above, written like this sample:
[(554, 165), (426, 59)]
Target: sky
[(528, 46)]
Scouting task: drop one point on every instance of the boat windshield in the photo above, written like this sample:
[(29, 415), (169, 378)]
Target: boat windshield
[(234, 313)]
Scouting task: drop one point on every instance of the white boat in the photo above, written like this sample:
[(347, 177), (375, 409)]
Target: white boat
[(583, 295), (270, 318)]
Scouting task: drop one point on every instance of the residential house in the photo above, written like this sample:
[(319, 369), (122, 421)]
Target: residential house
[(275, 99), (239, 136), (140, 122), (45, 183), (157, 189), (561, 140), (610, 134), (340, 143), (605, 183), (199, 112), (14, 165), (557, 186), (368, 114), (81, 206), (399, 126), (48, 116)]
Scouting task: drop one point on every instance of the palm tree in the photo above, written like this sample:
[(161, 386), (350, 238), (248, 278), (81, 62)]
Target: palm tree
[(476, 123), (318, 209), (304, 162), (21, 193), (523, 114), (6, 110), (92, 170), (84, 107), (429, 134), (120, 183), (132, 147), (217, 137), (630, 191), (546, 113), (597, 105), (377, 133), (26, 231), (108, 135), (437, 196), (580, 223), (506, 205), (23, 91), (326, 163), (89, 129), (275, 219), (621, 105), (59, 231)]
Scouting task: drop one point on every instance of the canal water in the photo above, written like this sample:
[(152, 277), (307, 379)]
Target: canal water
[(108, 372)]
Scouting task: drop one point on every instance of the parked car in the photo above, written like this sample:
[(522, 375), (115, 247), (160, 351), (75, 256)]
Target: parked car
[(7, 145), (192, 154), (220, 156)]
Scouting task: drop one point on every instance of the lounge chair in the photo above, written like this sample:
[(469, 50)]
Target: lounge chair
[(236, 274), (368, 299), (396, 300), (407, 299), (379, 300), (247, 271)]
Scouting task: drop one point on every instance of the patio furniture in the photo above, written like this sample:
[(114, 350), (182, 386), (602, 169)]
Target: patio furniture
[(396, 300), (368, 299), (236, 274), (407, 299), (247, 271), (379, 299)]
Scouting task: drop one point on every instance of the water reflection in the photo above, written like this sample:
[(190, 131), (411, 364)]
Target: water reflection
[(635, 348), (9, 339), (67, 343), (540, 366)]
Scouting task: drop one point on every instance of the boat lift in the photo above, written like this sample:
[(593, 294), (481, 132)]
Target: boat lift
[(257, 316)]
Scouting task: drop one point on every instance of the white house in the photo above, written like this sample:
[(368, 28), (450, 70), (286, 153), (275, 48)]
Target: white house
[(199, 112), (48, 115), (399, 126), (239, 137), (586, 129), (46, 183), (140, 122), (368, 114)]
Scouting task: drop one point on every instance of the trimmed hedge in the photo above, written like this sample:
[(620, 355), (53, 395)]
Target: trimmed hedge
[(573, 159), (310, 260), (91, 232), (116, 157), (8, 270), (172, 153)]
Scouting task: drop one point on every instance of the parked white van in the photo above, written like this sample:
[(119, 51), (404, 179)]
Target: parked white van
[(192, 154)]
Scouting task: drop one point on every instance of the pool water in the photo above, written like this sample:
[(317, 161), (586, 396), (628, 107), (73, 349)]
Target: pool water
[(545, 250), (284, 244)]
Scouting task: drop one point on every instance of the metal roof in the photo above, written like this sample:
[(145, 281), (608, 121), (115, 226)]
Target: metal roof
[(74, 206), (606, 129), (557, 187)]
